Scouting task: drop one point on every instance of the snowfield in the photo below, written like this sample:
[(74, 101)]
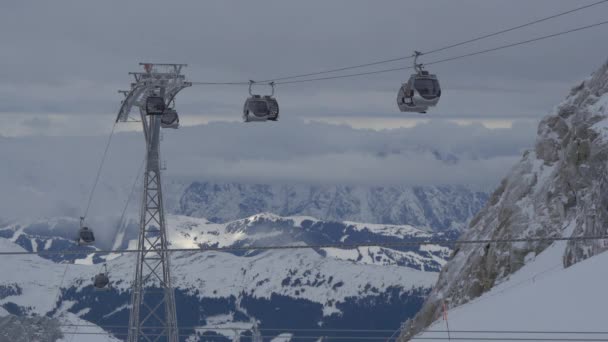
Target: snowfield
[(226, 289), (542, 296)]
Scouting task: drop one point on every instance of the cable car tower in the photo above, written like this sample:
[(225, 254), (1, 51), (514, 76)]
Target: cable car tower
[(153, 315)]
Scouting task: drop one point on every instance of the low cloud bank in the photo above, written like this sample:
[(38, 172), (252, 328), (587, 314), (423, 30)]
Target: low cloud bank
[(53, 175)]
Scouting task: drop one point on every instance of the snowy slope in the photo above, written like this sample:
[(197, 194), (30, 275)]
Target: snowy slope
[(541, 296), (261, 229), (33, 289), (557, 190), (75, 329), (324, 287)]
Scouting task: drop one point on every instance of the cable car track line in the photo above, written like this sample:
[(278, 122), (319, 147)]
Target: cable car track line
[(513, 28), (224, 83), (518, 43), (441, 48), (121, 222), (342, 246), (203, 327), (344, 76), (103, 159), (376, 338), (451, 58)]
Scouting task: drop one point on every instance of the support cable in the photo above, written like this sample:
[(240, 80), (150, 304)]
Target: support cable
[(447, 47), (58, 295), (513, 28), (441, 48), (377, 338), (450, 58), (319, 246), (338, 330), (519, 43), (224, 83), (103, 159), (124, 210)]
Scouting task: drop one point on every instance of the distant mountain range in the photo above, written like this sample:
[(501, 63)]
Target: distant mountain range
[(439, 208)]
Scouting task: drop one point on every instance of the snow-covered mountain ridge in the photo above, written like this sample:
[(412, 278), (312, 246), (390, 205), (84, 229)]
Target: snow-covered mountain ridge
[(439, 208), (558, 189), (263, 229), (326, 287)]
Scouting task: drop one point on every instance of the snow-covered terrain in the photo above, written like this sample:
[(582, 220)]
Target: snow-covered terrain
[(327, 287), (542, 296), (33, 288), (557, 190)]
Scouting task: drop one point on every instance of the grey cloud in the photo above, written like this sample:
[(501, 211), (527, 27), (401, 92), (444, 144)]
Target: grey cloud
[(71, 56), (53, 175), (37, 123)]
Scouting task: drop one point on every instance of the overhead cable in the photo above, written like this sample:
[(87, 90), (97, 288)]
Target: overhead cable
[(429, 63), (338, 330), (379, 338), (443, 48), (103, 159), (514, 28), (450, 58), (224, 83), (318, 246), (517, 43)]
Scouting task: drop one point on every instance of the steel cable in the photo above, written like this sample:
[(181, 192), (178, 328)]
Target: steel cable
[(319, 246)]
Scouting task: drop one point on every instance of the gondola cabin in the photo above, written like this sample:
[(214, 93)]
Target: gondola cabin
[(260, 108), (155, 105), (170, 119), (101, 282), (85, 236), (420, 92)]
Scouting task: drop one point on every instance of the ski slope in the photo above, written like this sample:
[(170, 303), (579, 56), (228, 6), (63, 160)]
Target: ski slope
[(542, 296)]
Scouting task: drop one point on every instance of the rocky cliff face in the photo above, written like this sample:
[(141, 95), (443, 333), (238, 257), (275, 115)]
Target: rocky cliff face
[(558, 189)]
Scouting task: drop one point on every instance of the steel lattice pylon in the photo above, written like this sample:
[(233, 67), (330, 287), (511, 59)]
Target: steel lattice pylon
[(153, 313)]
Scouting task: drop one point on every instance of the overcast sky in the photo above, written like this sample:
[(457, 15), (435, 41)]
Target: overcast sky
[(62, 61)]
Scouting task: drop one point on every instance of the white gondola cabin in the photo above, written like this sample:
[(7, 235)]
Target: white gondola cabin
[(421, 91)]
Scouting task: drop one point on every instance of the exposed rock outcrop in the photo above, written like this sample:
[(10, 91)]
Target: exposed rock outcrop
[(28, 329)]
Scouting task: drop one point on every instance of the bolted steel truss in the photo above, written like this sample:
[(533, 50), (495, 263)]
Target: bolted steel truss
[(153, 314)]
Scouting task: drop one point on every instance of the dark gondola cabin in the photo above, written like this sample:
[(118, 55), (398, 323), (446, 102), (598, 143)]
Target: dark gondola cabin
[(155, 105), (260, 108), (170, 119), (85, 236), (101, 281)]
